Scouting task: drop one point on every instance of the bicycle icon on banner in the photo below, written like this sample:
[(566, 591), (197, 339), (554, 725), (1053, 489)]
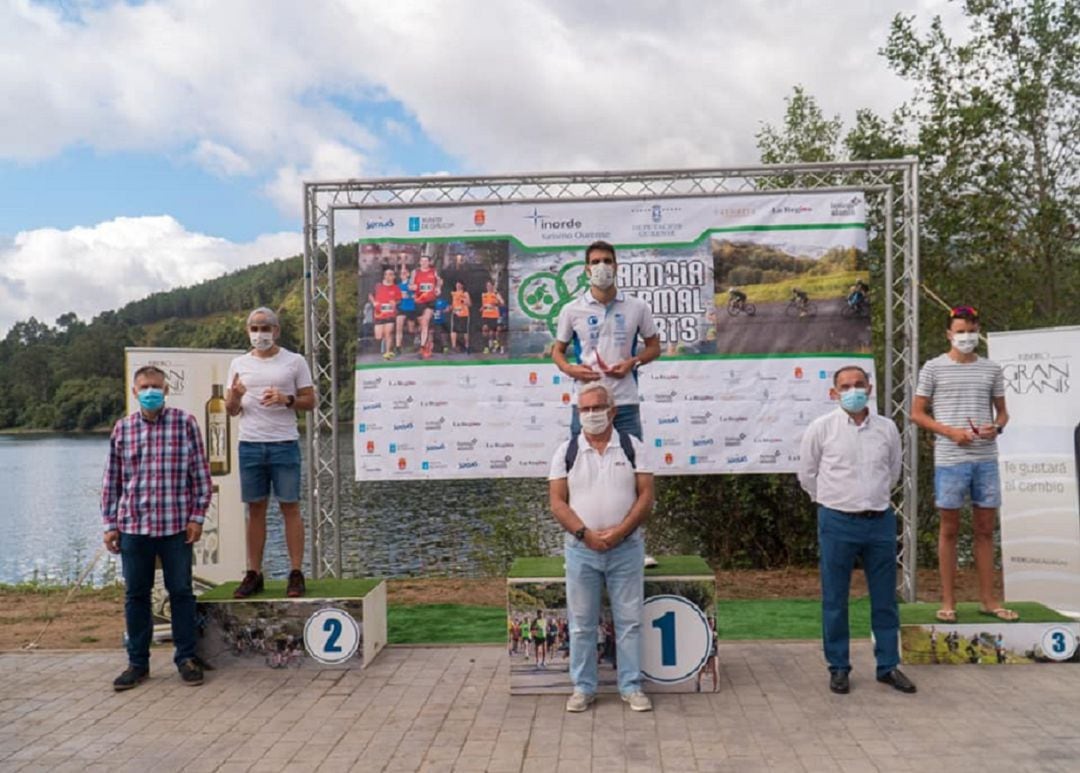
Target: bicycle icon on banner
[(543, 295)]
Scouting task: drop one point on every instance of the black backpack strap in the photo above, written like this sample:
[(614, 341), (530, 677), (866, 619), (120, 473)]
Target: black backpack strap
[(628, 448), (571, 453)]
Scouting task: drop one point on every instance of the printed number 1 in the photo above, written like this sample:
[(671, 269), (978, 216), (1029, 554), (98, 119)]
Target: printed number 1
[(666, 624), (1059, 642), (332, 626)]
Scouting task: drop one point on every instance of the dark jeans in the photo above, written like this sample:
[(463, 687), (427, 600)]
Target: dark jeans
[(139, 554), (844, 538), (627, 419)]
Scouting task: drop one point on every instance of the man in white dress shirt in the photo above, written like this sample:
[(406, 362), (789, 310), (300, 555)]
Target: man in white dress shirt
[(849, 462)]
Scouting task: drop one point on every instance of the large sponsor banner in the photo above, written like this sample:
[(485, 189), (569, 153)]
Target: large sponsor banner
[(755, 299), (1038, 458), (196, 380)]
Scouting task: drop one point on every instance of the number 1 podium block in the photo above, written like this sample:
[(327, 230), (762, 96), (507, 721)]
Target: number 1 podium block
[(676, 629), (337, 624), (1041, 635)]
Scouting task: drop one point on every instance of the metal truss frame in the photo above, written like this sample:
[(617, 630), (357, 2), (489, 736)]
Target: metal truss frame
[(892, 189)]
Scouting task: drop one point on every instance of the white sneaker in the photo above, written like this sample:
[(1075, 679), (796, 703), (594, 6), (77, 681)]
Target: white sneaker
[(579, 701), (638, 701), (650, 562)]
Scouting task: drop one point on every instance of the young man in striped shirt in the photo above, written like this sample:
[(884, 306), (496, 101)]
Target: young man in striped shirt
[(154, 498), (960, 397)]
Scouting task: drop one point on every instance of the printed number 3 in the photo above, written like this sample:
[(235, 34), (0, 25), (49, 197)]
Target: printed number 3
[(1059, 641), (333, 627), (666, 624)]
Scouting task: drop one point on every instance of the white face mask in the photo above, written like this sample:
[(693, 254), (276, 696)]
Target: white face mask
[(595, 422), (965, 343), (601, 275), (262, 341)]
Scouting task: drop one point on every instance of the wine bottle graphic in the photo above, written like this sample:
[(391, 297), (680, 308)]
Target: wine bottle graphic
[(218, 440)]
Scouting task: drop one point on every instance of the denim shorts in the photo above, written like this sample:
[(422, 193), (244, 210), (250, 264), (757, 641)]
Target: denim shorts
[(270, 465), (955, 484)]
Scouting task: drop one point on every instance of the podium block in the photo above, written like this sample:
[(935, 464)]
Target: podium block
[(1041, 635), (337, 624), (676, 629)]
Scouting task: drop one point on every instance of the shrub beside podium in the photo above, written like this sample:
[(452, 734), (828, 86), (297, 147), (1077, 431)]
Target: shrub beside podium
[(337, 624), (680, 593)]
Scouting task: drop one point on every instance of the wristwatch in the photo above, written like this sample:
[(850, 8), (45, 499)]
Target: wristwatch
[(580, 533), (289, 401), (1000, 428)]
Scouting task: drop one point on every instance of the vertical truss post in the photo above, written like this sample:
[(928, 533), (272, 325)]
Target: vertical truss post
[(321, 429)]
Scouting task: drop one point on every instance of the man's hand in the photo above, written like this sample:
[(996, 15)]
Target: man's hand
[(962, 437), (582, 373), (988, 431), (609, 537), (194, 532), (622, 369), (273, 396), (112, 541), (237, 386), (593, 541)]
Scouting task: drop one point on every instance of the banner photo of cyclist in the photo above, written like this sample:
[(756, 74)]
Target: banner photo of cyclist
[(459, 306)]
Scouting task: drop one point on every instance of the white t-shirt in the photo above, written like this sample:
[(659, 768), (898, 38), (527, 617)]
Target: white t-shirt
[(602, 487), (287, 371), (609, 332)]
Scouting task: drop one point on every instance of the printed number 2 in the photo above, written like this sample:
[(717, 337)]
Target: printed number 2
[(666, 624), (333, 627), (1059, 642)]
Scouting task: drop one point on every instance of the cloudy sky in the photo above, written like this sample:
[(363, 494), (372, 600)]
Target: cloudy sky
[(146, 145)]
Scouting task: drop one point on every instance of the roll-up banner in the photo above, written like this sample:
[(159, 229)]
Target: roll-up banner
[(196, 382), (736, 384), (1038, 455)]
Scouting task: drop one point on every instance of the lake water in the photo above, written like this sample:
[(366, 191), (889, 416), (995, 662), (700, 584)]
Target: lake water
[(49, 513)]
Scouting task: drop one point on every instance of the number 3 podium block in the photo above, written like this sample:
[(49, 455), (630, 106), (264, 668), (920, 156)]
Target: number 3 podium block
[(337, 624), (676, 629), (1041, 635)]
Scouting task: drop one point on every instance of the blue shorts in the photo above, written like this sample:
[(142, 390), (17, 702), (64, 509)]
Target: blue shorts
[(955, 484), (266, 465)]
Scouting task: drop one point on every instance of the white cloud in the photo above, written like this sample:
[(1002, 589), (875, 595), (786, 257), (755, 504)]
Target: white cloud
[(278, 88), (48, 272)]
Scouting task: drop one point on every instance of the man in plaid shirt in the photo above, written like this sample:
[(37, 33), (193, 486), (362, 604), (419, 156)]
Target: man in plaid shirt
[(154, 497)]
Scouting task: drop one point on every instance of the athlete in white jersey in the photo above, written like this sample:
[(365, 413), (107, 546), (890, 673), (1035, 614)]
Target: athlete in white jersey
[(960, 397)]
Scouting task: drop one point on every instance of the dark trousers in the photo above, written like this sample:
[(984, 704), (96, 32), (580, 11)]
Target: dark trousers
[(843, 539), (139, 554)]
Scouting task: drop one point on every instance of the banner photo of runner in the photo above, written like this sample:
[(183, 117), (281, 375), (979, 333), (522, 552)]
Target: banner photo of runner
[(757, 300)]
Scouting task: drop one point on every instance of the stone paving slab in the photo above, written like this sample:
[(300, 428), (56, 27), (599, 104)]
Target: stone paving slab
[(449, 709)]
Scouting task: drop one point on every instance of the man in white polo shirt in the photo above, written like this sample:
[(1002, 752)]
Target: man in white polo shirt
[(603, 326), (601, 492)]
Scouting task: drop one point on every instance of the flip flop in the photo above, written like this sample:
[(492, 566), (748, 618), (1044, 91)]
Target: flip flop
[(1001, 613), (946, 615)]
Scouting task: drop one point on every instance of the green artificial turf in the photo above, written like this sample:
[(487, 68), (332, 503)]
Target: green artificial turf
[(968, 613), (316, 589), (445, 624), (784, 619), (552, 566)]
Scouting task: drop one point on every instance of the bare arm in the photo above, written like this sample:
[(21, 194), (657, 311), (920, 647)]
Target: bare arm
[(639, 511), (922, 418), (578, 372)]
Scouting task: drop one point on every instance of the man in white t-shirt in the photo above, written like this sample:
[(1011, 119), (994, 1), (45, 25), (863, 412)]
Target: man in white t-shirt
[(601, 492), (603, 326), (267, 386)]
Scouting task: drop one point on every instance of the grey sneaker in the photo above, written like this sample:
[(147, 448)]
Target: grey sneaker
[(638, 701), (579, 701)]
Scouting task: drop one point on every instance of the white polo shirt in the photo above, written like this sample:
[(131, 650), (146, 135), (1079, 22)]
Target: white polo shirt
[(609, 331), (602, 486)]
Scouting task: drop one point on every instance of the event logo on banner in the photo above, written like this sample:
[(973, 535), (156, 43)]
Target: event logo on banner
[(1038, 458), (754, 297)]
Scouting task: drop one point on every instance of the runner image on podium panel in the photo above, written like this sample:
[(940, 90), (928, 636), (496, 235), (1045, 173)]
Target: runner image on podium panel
[(385, 298), (267, 387), (406, 314), (426, 284), (604, 326), (960, 398), (490, 318), (461, 306)]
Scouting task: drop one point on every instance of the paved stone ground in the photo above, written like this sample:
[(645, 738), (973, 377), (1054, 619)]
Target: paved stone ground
[(447, 709)]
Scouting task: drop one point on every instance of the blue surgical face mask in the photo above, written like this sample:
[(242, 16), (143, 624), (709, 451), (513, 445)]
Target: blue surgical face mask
[(151, 398), (854, 400)]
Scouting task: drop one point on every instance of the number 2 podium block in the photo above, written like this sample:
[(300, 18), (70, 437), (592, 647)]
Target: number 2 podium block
[(676, 629), (1041, 635), (337, 624)]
